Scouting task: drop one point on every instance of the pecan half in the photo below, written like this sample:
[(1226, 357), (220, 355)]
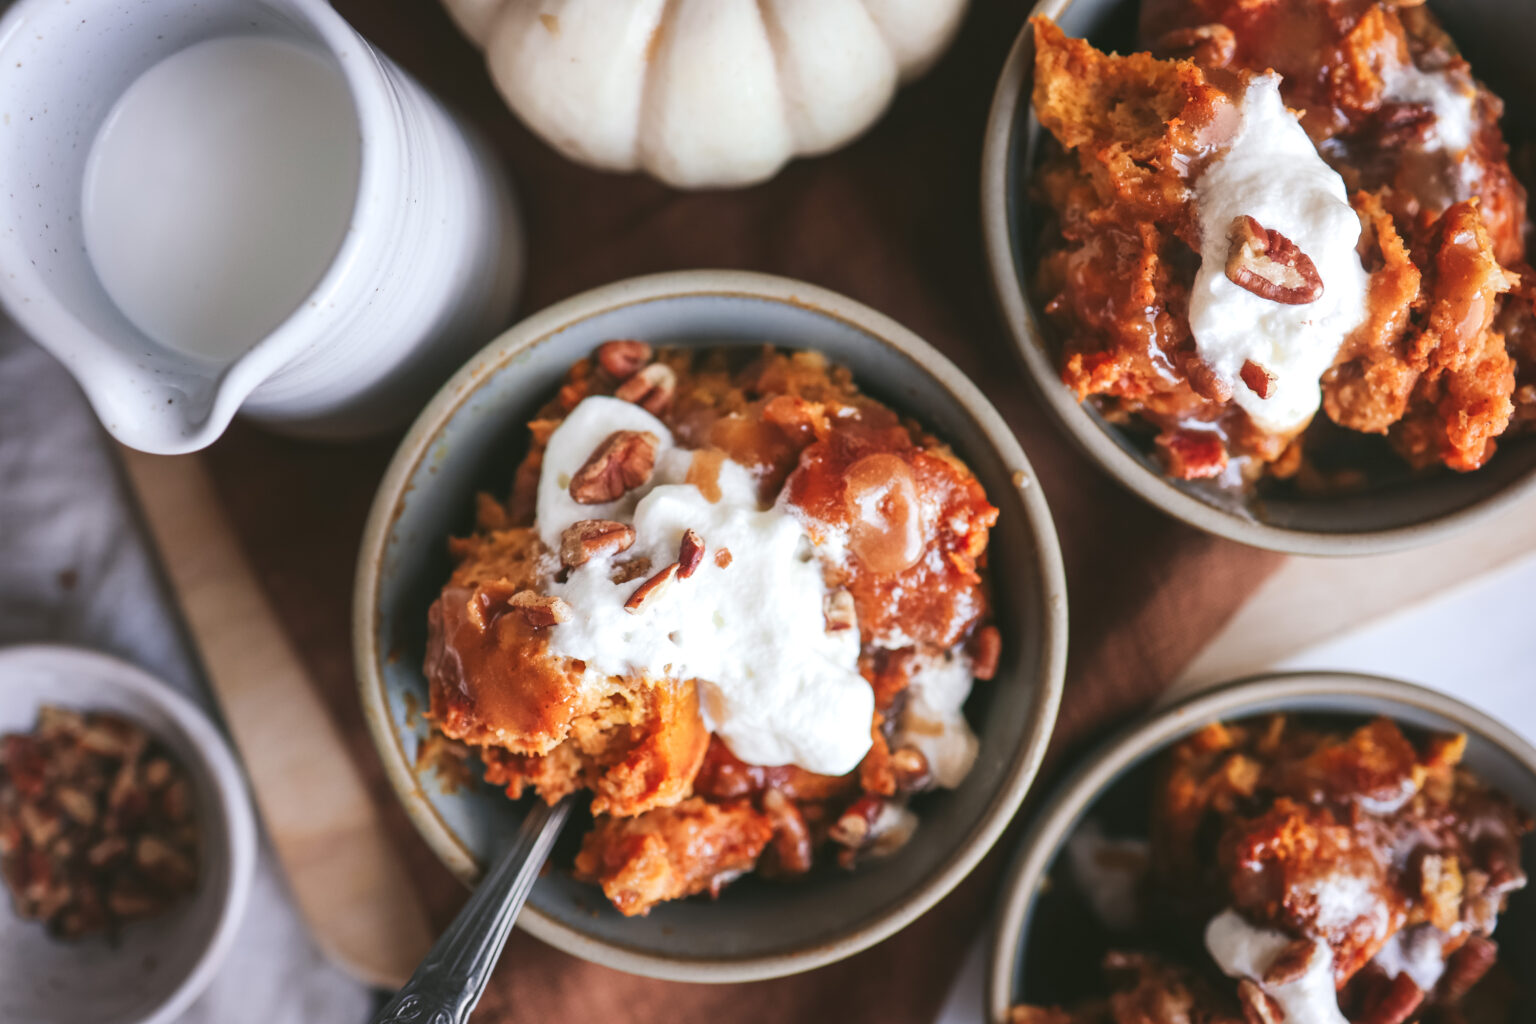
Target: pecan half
[(586, 539), (541, 611), (690, 554), (623, 358), (651, 388), (624, 461), (839, 610), (986, 651), (651, 591), (1259, 380), (1270, 265)]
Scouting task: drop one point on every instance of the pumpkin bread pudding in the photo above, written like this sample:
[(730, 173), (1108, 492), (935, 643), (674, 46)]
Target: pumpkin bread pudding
[(1300, 874), (734, 599), (1286, 207)]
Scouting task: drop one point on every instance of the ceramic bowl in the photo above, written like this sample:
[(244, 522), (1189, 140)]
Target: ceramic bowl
[(151, 974), (1041, 950), (1391, 518), (471, 437)]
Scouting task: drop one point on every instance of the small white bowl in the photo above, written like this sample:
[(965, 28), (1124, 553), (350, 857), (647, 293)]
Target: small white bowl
[(157, 967)]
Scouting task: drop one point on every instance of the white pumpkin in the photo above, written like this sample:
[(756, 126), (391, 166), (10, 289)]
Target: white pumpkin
[(703, 93)]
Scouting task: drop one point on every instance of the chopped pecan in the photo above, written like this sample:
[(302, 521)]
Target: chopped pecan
[(1397, 126), (690, 554), (910, 767), (791, 843), (623, 358), (1193, 454), (722, 557), (86, 838), (1258, 1006), (1291, 963), (986, 651), (854, 828), (651, 388), (586, 539), (1466, 968), (630, 569), (839, 611), (624, 461), (1270, 265), (163, 864), (651, 591), (79, 806), (541, 611), (1259, 380), (1397, 1004)]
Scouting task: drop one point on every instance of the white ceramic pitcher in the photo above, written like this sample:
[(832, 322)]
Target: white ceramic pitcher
[(427, 271)]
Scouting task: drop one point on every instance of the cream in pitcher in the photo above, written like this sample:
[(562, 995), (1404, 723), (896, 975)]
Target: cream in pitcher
[(218, 190), (239, 205)]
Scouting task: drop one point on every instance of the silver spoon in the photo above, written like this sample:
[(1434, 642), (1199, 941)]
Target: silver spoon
[(449, 982)]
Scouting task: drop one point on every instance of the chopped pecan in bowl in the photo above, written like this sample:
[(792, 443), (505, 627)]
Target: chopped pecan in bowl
[(97, 825)]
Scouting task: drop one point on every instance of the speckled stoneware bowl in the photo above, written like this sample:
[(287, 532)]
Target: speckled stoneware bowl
[(153, 971), (1042, 950), (1491, 34), (471, 437)]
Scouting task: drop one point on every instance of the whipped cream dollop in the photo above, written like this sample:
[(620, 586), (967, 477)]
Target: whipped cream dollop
[(933, 721), (1110, 874), (1418, 952), (1272, 172), (1452, 98), (1243, 950), (774, 684)]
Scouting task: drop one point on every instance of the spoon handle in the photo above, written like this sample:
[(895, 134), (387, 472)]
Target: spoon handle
[(448, 984)]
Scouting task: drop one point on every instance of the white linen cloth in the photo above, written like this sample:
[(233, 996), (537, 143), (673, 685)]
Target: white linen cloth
[(75, 568)]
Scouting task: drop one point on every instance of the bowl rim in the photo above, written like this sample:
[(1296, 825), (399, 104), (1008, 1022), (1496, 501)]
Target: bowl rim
[(1091, 436), (1048, 830), (535, 330), (216, 762)]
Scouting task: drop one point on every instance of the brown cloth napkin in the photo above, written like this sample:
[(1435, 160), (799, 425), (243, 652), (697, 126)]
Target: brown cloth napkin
[(892, 221)]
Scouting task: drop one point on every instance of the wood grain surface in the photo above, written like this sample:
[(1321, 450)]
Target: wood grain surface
[(341, 865), (891, 221)]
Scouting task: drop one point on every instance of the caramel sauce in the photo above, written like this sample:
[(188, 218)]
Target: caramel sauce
[(914, 548), (496, 683), (886, 531)]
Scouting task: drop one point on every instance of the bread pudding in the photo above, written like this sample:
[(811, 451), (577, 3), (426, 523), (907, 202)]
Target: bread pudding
[(1283, 208), (1299, 874), (734, 599)]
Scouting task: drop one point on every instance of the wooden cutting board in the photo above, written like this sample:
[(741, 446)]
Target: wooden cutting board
[(350, 885)]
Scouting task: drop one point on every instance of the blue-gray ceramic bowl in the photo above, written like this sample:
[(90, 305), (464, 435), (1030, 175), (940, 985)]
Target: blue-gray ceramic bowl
[(1400, 515), (470, 438), (1039, 946)]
